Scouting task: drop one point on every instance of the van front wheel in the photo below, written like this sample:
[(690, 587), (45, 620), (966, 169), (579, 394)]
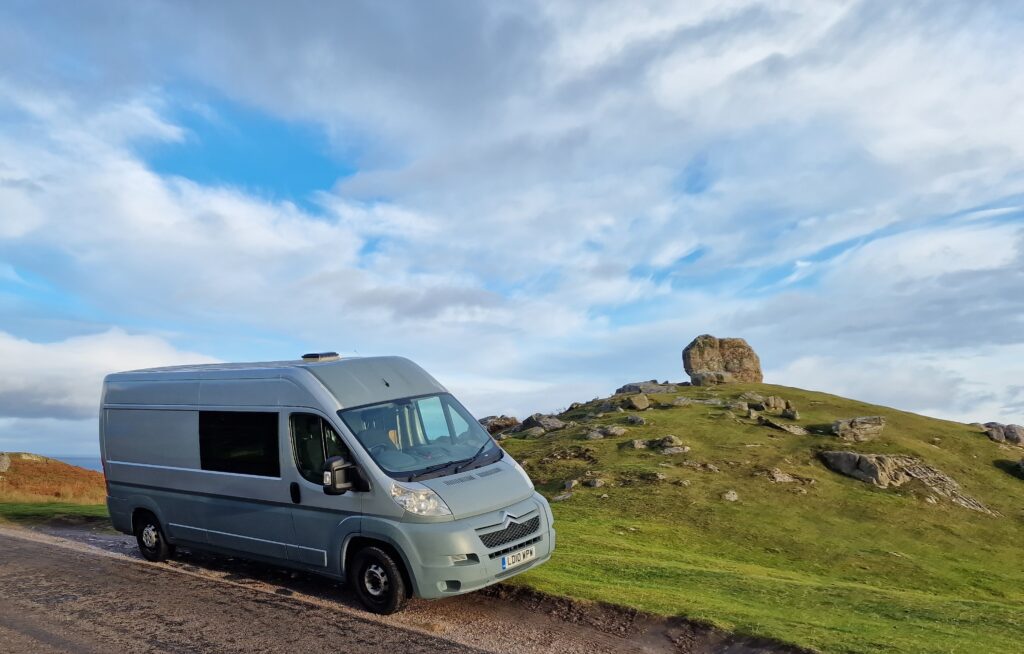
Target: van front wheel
[(378, 580), (153, 544)]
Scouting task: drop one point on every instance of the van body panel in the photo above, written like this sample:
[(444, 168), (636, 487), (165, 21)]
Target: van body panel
[(481, 490), (150, 447)]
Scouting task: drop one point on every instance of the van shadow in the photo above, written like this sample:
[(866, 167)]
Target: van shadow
[(1012, 468), (264, 576)]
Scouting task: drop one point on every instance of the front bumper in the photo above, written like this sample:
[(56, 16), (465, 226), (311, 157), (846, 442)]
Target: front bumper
[(433, 552)]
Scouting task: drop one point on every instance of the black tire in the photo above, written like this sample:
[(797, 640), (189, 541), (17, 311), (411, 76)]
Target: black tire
[(153, 544), (378, 581)]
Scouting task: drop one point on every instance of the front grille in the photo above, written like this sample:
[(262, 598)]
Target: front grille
[(513, 548), (514, 531)]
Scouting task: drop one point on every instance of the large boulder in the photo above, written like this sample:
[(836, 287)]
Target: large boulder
[(547, 423), (498, 424), (638, 402), (709, 361), (1000, 433), (858, 430)]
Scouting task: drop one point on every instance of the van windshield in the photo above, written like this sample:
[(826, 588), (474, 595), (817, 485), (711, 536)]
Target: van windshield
[(421, 437)]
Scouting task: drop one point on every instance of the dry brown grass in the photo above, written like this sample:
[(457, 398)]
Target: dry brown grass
[(39, 479)]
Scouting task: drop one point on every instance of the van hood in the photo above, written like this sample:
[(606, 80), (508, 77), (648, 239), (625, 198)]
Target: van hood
[(482, 490)]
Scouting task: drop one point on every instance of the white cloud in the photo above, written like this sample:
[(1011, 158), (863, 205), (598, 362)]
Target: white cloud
[(63, 379)]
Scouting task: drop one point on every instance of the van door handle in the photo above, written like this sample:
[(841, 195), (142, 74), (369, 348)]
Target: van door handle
[(296, 493)]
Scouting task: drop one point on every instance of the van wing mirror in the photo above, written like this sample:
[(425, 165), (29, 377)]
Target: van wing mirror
[(338, 475)]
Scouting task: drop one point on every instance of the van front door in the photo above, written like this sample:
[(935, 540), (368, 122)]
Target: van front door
[(321, 521)]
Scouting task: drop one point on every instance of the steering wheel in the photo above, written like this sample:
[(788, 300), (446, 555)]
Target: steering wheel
[(378, 449)]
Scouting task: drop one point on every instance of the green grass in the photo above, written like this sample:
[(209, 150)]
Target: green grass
[(846, 567), (40, 512)]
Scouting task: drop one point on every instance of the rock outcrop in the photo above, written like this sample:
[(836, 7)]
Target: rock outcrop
[(5, 463), (709, 361), (892, 470), (859, 430), (796, 430), (648, 387), (498, 424), (1000, 433)]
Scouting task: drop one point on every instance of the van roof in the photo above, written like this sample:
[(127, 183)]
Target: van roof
[(352, 381), (251, 365)]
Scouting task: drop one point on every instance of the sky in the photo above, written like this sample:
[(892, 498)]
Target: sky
[(536, 201)]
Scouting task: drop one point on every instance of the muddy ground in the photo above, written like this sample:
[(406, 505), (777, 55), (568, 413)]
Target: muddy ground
[(80, 588)]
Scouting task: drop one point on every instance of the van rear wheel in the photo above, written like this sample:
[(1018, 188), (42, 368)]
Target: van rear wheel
[(378, 580), (153, 544)]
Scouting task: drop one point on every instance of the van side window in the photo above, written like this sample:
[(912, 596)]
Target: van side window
[(314, 441), (242, 442)]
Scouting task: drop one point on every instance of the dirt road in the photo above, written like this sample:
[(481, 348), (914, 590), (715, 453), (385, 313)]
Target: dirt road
[(76, 590)]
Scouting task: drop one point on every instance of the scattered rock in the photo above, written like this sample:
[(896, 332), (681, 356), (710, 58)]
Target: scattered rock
[(636, 420), (636, 444), (638, 402), (790, 414), (777, 476), (885, 470), (676, 450), (859, 430), (594, 436), (740, 407), (547, 423), (594, 483), (569, 453), (682, 482), (730, 496), (796, 430), (681, 401), (647, 387), (752, 414), (604, 496), (669, 441), (571, 484), (532, 432), (561, 498), (709, 360), (750, 396), (613, 430), (774, 403), (498, 424), (711, 467)]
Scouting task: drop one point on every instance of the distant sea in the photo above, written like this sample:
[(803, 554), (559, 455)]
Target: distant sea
[(90, 462)]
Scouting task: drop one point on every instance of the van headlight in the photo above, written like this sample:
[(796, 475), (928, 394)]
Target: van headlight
[(419, 500)]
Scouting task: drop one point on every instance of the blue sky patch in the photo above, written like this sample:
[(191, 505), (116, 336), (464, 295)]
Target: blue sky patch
[(229, 144)]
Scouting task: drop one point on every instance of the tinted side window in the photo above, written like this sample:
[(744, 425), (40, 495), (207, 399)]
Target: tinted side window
[(314, 441), (242, 442)]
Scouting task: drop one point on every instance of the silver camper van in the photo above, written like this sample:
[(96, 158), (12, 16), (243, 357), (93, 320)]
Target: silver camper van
[(363, 469)]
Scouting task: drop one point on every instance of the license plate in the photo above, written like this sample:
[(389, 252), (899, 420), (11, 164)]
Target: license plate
[(518, 558)]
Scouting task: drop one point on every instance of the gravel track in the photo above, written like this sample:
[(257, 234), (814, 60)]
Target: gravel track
[(77, 588)]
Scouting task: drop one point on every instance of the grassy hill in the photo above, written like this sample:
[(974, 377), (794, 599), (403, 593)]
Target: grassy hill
[(36, 488), (830, 562)]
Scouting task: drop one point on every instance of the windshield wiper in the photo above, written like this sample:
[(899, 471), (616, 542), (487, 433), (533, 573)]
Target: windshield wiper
[(474, 457), (430, 469)]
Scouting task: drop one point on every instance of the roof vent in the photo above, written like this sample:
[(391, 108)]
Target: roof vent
[(320, 356)]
